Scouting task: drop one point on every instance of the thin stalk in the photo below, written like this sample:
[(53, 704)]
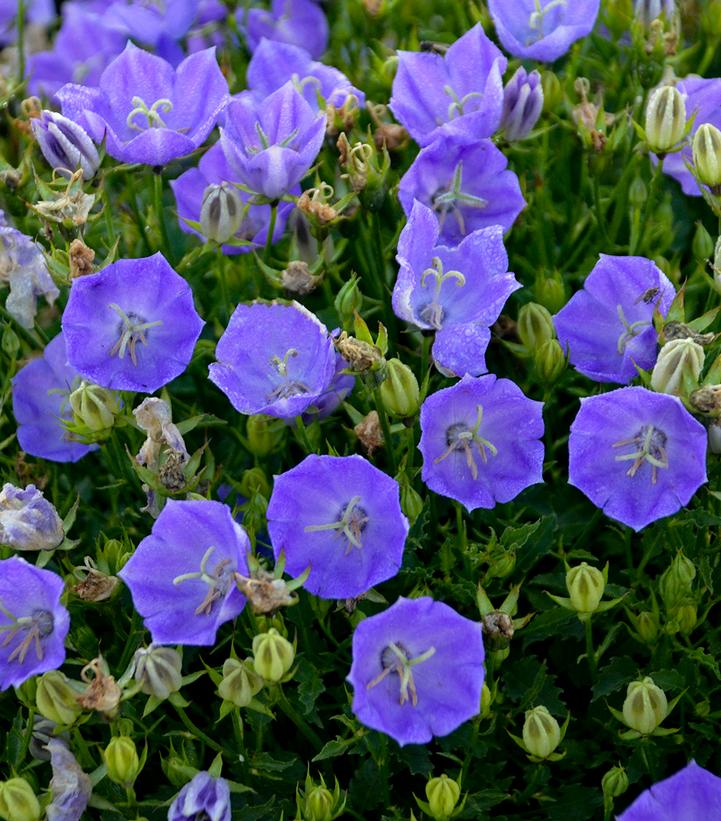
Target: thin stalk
[(196, 731), (290, 711), (590, 650), (650, 200), (21, 39), (158, 204), (386, 428), (271, 231)]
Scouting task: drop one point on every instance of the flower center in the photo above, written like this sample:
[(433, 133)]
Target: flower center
[(218, 580), (39, 625), (351, 523), (455, 109), (432, 312), (452, 199), (288, 387), (461, 437), (650, 446), (535, 21), (630, 329), (264, 142), (396, 659), (153, 115), (131, 331)]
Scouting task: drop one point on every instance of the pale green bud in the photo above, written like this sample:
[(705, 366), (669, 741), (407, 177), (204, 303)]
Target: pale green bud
[(647, 627), (714, 438), (157, 669), (678, 367), (442, 793), (221, 212), (240, 682), (535, 326), (94, 407), (585, 585), (614, 782), (552, 92), (665, 119), (318, 804), (645, 706), (10, 342), (18, 801), (684, 618), (399, 390), (254, 481), (707, 156), (273, 655), (637, 193), (702, 245), (265, 434), (348, 300), (550, 361), (56, 698), (541, 733), (551, 292), (121, 759), (676, 582)]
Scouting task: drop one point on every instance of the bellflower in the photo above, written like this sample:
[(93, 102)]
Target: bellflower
[(64, 144), (271, 144), (181, 576), (480, 441), (691, 794), (298, 22), (340, 386), (40, 404), (646, 11), (458, 292), (417, 670), (636, 454), (461, 91), (147, 111), (273, 359), (522, 104), (156, 25), (37, 12), (466, 183), (203, 797), (607, 327), (28, 521), (131, 326), (70, 786), (542, 29), (33, 623), (340, 516)]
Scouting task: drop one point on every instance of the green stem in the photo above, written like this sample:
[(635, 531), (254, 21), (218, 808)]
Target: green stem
[(21, 39), (303, 435), (386, 428), (158, 204), (590, 651), (290, 711), (636, 242), (271, 231), (196, 731), (461, 527)]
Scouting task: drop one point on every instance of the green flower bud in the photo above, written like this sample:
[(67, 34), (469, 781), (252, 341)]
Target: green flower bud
[(676, 583), (550, 361), (348, 300), (240, 682), (501, 563), (645, 706), (711, 18), (541, 733), (93, 407), (221, 212), (265, 434), (535, 326), (318, 804), (707, 156), (678, 367), (157, 669), (18, 801), (637, 193), (273, 655), (121, 759), (683, 618), (57, 699), (552, 92), (550, 292), (442, 793), (399, 390), (647, 627), (702, 245), (10, 342), (585, 585), (614, 782), (486, 701), (254, 481), (411, 501), (665, 119)]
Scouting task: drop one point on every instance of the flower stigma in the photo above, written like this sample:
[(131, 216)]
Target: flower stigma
[(455, 109), (218, 581), (460, 436), (39, 625), (153, 115), (396, 659), (535, 21), (445, 202), (132, 331), (650, 444), (351, 524), (631, 329), (432, 313)]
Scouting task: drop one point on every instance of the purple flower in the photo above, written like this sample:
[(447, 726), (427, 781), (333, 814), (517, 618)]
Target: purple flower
[(636, 454), (203, 797), (271, 144), (64, 144), (648, 10), (273, 64), (607, 327), (466, 184), (298, 22), (542, 29), (691, 794), (70, 786), (191, 188), (458, 292), (340, 516), (146, 110), (40, 404), (33, 623), (131, 326), (417, 670), (340, 386), (274, 359), (460, 92), (181, 576), (480, 441), (522, 104), (38, 12), (154, 24), (28, 521)]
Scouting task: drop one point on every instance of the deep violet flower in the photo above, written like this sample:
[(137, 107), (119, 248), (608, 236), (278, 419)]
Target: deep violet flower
[(340, 516), (466, 183), (417, 670), (181, 576), (458, 292), (33, 623), (65, 144), (340, 386), (691, 794), (271, 144), (274, 359), (522, 104), (607, 327), (40, 404), (203, 797), (70, 786), (480, 441), (147, 111), (131, 326), (298, 22), (28, 521), (636, 454), (542, 29)]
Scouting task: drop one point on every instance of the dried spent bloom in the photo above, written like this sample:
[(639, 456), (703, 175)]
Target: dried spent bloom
[(273, 359), (692, 793), (298, 22), (458, 292), (607, 327), (181, 576), (65, 144), (480, 441), (132, 326), (70, 786), (340, 516), (417, 670), (636, 454), (522, 104), (81, 259), (153, 415), (203, 797), (102, 692), (33, 623), (458, 92), (28, 521)]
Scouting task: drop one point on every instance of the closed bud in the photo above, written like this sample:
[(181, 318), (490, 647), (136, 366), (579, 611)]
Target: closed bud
[(57, 699), (550, 292), (683, 618), (318, 804), (711, 18), (348, 300), (10, 342), (552, 92), (550, 361), (707, 156), (264, 433), (442, 793), (486, 701), (221, 212), (702, 245), (637, 193), (411, 501), (121, 759), (18, 801), (676, 583), (647, 11), (541, 733), (273, 655), (157, 669), (714, 438), (614, 782), (645, 706), (522, 104), (399, 390), (717, 260), (678, 367), (65, 144), (240, 682), (585, 585), (254, 481), (93, 407), (665, 119), (535, 326), (647, 627)]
